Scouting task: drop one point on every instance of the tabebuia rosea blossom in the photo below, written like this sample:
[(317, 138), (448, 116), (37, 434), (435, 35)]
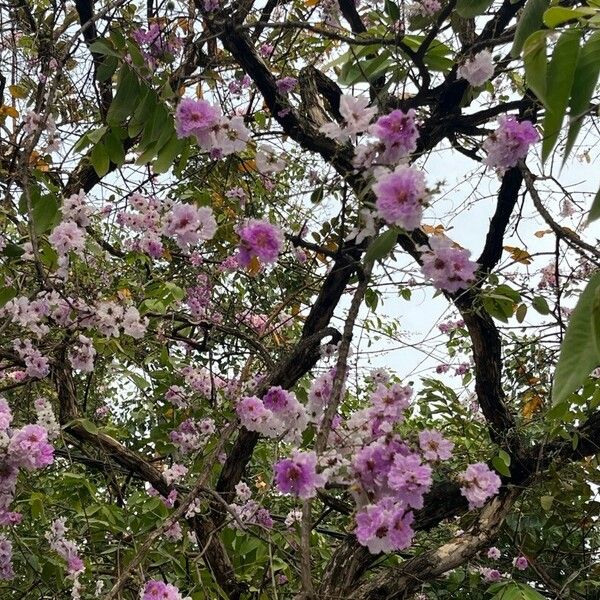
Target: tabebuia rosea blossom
[(398, 132), (520, 563), (197, 118), (29, 448), (298, 475), (400, 196), (425, 8), (159, 590), (259, 239), (477, 70), (494, 553), (384, 527), (479, 483), (6, 567), (447, 264), (509, 143)]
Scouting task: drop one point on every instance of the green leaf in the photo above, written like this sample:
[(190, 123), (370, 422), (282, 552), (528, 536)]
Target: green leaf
[(382, 245), (500, 466), (391, 8), (126, 98), (557, 15), (167, 155), (561, 73), (546, 502), (521, 312), (536, 63), (472, 8), (584, 83), (100, 160), (7, 294), (578, 354), (531, 20), (114, 147), (595, 210), (87, 425), (106, 68), (44, 213), (541, 305), (101, 47)]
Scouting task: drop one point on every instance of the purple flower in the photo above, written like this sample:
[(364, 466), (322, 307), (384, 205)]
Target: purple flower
[(298, 475), (5, 414), (478, 484), (67, 237), (198, 118), (509, 143), (448, 266), (435, 446), (286, 85), (494, 553), (384, 527), (158, 590), (278, 400), (259, 239), (399, 197), (490, 575), (410, 479), (521, 563), (29, 448), (399, 133)]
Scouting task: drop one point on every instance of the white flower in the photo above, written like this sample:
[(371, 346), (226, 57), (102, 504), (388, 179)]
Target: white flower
[(477, 70)]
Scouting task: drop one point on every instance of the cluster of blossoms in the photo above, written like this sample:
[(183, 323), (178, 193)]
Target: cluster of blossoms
[(69, 235), (447, 265), (81, 355), (46, 418), (110, 318), (319, 395), (400, 196), (66, 549), (478, 69), (36, 364), (277, 413), (252, 513), (450, 326), (261, 240), (509, 143), (156, 43), (425, 8), (192, 435), (388, 478), (25, 448), (186, 224), (268, 161), (158, 590), (218, 135), (34, 122)]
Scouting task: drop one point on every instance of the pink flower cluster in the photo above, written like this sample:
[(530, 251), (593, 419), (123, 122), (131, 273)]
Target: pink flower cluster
[(259, 239), (277, 413), (69, 235), (400, 196), (157, 43), (192, 435), (478, 69), (298, 475), (6, 567), (479, 483), (188, 225), (36, 364), (509, 143), (448, 266), (357, 116), (65, 548), (398, 132), (218, 135), (158, 590)]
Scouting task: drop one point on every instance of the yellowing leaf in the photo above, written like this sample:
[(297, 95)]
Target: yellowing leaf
[(17, 91), (542, 232), (9, 111), (124, 294), (247, 165), (254, 266), (311, 2), (531, 406), (433, 230), (519, 255)]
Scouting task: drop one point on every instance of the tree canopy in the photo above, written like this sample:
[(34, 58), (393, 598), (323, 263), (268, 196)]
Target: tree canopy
[(299, 299)]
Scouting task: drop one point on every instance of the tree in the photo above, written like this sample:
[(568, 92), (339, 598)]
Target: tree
[(213, 213)]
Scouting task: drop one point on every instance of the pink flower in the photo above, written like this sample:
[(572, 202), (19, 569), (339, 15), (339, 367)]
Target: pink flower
[(490, 575), (494, 553), (67, 237), (521, 563), (5, 414), (6, 568), (448, 266), (188, 224), (384, 527), (478, 484), (158, 590), (286, 85), (357, 116), (197, 118), (434, 446), (298, 476), (259, 239), (509, 143), (29, 448), (478, 69), (410, 479), (398, 132), (399, 197)]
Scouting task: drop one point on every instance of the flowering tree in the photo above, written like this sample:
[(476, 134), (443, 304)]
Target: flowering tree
[(214, 215)]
